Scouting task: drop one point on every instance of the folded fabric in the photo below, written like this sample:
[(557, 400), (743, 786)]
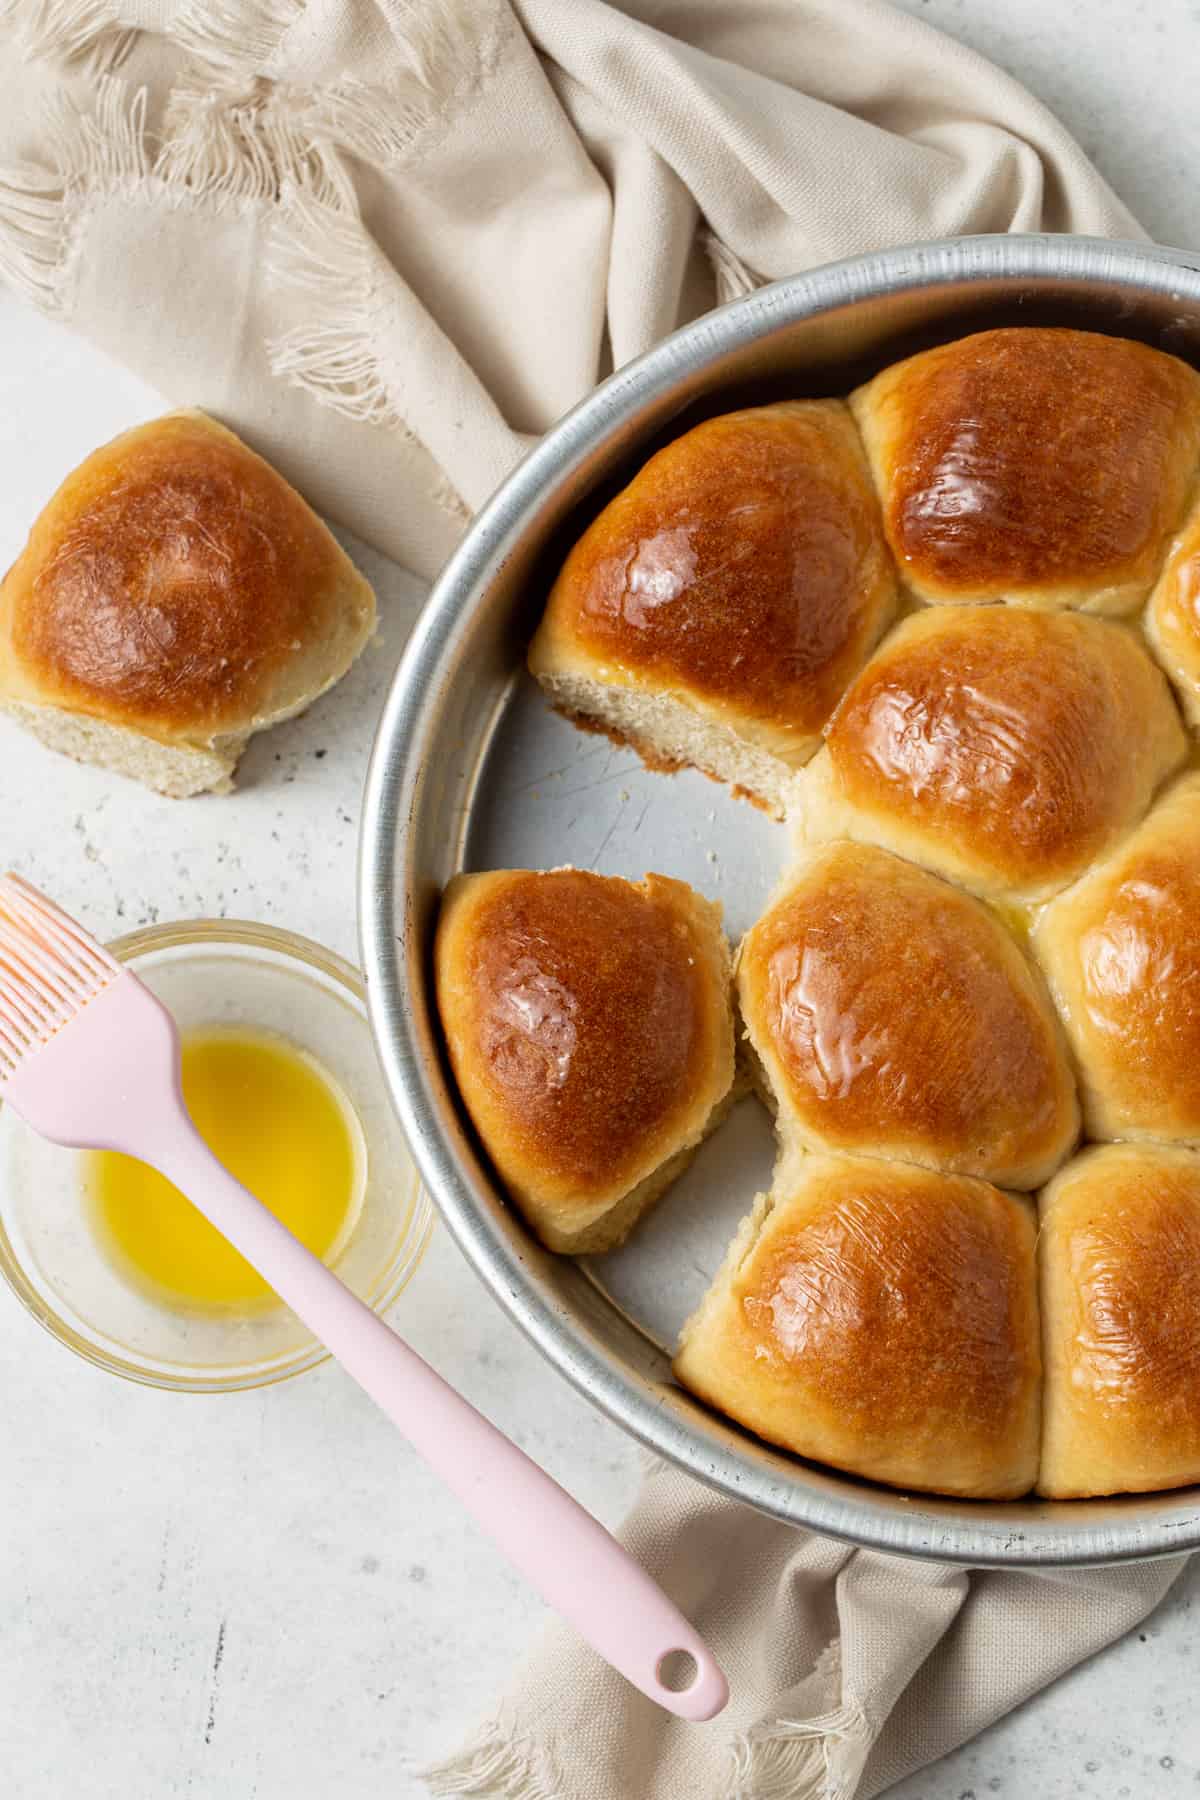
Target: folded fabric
[(387, 242), (848, 1670)]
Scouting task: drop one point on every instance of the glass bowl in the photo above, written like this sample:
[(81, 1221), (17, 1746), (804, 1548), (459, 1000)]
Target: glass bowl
[(213, 973)]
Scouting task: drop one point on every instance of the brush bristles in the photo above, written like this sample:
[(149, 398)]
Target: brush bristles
[(49, 969)]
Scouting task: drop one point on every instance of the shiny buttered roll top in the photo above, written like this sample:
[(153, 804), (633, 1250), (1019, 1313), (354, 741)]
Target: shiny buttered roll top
[(1121, 951), (1119, 1250), (1047, 467), (882, 1318), (589, 1024), (894, 1015), (1173, 616), (1005, 749)]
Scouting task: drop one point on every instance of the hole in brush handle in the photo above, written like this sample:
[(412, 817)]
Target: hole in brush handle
[(690, 1682), (678, 1671)]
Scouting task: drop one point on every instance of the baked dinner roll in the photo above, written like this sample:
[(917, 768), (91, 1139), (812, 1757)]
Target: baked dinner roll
[(1119, 1252), (1048, 467), (884, 1319), (590, 1029), (175, 596), (1003, 748), (893, 1015), (716, 609), (1173, 617), (1121, 950)]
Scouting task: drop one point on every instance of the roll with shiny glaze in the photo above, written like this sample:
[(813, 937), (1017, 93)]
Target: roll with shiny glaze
[(589, 1025), (881, 1318), (175, 596), (1118, 1253), (1173, 617), (1044, 466), (715, 610), (893, 1015), (1003, 748), (1121, 951)]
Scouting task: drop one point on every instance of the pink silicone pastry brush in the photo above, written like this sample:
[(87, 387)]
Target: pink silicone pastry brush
[(90, 1058)]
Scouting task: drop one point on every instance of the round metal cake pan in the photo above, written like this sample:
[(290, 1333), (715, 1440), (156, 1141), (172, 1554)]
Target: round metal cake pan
[(434, 783)]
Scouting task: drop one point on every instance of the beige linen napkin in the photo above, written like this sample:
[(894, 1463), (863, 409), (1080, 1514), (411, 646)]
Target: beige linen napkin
[(847, 1670), (389, 241)]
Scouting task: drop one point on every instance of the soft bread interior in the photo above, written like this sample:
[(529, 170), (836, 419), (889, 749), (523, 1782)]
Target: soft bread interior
[(666, 733), (177, 770)]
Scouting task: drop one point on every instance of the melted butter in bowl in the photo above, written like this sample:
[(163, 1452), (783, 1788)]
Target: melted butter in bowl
[(282, 1125), (281, 1076)]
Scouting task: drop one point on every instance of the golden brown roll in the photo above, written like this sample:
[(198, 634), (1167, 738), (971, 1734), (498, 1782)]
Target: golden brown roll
[(884, 1319), (1121, 950), (1119, 1251), (1044, 466), (175, 596), (1173, 617), (893, 1015), (590, 1029), (1001, 747), (716, 609)]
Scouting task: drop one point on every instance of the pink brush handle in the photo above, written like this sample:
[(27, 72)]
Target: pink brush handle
[(577, 1565)]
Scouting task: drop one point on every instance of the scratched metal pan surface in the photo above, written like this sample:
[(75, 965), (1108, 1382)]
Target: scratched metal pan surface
[(471, 770)]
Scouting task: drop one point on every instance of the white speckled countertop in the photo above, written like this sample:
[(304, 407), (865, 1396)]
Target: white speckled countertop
[(263, 1596)]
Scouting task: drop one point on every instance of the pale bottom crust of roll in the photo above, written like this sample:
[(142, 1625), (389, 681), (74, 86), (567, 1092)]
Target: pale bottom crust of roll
[(669, 735), (613, 1227), (177, 770)]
